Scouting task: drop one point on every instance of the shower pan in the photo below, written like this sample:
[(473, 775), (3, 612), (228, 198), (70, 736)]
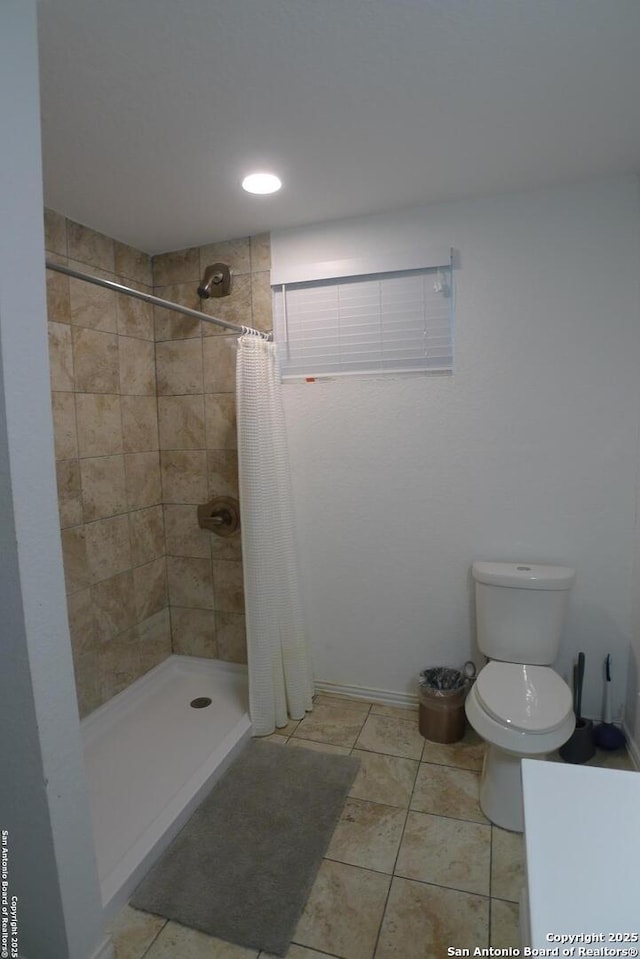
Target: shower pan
[(151, 755)]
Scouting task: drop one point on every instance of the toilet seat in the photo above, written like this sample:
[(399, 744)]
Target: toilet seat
[(520, 711), (524, 698)]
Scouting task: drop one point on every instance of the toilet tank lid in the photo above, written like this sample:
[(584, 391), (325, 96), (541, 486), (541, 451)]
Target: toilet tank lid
[(524, 575)]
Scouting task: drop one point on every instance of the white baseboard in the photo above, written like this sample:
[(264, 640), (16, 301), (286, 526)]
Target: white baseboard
[(387, 697), (632, 747), (105, 950)]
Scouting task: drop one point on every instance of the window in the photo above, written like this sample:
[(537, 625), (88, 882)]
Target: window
[(398, 321)]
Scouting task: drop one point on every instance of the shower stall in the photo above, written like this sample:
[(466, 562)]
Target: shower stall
[(143, 390)]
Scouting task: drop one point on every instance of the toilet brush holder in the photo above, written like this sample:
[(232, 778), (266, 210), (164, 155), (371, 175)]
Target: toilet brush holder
[(579, 748)]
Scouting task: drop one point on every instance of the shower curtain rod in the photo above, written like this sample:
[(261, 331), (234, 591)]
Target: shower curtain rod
[(155, 300)]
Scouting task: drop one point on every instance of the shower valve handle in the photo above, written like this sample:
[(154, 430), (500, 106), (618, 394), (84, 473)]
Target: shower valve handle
[(221, 515)]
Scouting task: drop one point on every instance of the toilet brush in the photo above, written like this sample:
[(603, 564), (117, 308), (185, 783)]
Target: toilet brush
[(579, 747), (606, 735)]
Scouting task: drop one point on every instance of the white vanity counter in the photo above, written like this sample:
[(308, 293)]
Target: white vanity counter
[(582, 841)]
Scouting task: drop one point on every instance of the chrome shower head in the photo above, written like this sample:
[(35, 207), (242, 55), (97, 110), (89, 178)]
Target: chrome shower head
[(215, 282)]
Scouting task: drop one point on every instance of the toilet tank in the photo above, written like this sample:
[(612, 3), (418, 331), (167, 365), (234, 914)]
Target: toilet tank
[(520, 610)]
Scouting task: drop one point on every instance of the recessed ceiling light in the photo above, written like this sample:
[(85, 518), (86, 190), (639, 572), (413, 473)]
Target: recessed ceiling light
[(261, 183)]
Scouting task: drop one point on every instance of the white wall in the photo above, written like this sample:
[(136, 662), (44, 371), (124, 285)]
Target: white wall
[(632, 710), (43, 796), (632, 716), (527, 452)]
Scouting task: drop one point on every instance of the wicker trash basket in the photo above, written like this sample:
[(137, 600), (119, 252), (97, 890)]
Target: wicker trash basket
[(441, 695)]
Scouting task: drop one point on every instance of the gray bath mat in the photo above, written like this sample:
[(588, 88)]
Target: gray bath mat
[(243, 866)]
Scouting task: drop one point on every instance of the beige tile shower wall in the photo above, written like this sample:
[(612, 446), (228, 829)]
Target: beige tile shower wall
[(108, 462), (195, 364)]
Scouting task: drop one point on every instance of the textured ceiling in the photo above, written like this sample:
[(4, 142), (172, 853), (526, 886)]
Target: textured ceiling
[(153, 110)]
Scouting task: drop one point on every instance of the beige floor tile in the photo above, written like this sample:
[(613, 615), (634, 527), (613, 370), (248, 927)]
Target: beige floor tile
[(446, 791), (408, 713), (344, 910), (368, 835), (467, 753), (178, 941), (296, 952), (133, 932), (447, 852), (507, 864), (288, 729), (422, 921), (332, 699), (333, 723), (608, 759), (384, 779), (612, 759), (392, 736), (319, 747), (505, 925)]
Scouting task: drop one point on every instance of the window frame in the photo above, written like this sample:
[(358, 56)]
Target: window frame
[(360, 347)]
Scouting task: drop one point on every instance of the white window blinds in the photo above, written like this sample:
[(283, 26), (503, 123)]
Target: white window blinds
[(384, 322)]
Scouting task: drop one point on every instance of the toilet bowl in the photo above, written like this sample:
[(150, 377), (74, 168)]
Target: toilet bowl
[(520, 711), (519, 705)]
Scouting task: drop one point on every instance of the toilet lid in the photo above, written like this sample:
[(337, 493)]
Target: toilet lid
[(529, 698)]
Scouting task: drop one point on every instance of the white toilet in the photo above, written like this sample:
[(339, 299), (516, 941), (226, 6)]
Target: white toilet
[(518, 704)]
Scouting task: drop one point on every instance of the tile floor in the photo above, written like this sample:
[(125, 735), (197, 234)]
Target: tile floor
[(413, 865)]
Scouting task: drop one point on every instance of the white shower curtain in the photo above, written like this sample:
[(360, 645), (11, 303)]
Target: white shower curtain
[(280, 672)]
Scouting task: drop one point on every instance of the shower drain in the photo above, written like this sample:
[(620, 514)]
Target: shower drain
[(200, 702)]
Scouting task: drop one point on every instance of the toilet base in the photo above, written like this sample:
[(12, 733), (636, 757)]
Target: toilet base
[(501, 788)]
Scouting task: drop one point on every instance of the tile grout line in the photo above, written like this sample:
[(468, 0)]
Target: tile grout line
[(490, 930), (154, 940), (326, 858), (395, 862)]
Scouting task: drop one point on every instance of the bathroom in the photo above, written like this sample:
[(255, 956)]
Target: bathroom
[(528, 451)]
